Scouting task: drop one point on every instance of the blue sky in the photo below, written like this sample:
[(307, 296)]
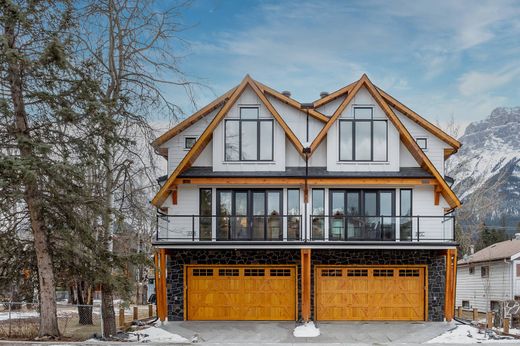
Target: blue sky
[(441, 58)]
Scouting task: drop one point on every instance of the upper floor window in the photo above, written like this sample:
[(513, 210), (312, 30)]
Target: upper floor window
[(249, 138), (189, 142), (484, 271), (422, 142), (363, 138)]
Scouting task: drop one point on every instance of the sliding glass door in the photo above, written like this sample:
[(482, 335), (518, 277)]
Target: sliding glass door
[(361, 214), (249, 214)]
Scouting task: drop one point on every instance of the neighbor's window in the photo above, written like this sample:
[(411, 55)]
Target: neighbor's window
[(484, 271), (465, 304), (363, 138), (422, 142), (189, 142), (471, 270), (249, 138), (518, 270)]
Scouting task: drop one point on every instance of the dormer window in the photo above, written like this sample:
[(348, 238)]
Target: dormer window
[(363, 138), (249, 138), (189, 142), (422, 143)]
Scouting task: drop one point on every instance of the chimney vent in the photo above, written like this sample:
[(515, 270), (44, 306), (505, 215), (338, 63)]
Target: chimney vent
[(286, 93), (323, 94), (517, 236)]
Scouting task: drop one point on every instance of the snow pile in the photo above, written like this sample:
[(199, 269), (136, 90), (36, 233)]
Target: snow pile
[(464, 334), (307, 330)]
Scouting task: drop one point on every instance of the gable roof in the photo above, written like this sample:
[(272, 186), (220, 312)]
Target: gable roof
[(192, 119), (505, 249), (206, 136), (404, 134), (383, 99), (455, 144)]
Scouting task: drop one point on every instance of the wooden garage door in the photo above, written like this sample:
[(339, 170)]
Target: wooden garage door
[(241, 293), (370, 293)]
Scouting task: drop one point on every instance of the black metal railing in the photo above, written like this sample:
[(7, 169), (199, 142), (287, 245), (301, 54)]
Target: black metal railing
[(229, 227), (338, 228), (381, 228)]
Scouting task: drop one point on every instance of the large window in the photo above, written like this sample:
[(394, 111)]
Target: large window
[(249, 138), (293, 209), (363, 138), (249, 214), (318, 214), (406, 214), (205, 207)]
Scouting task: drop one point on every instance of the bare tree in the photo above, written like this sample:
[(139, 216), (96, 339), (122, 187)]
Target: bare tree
[(132, 51)]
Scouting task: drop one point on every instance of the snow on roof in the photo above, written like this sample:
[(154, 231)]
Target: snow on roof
[(504, 249)]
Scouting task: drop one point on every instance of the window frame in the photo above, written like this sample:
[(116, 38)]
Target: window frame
[(466, 306), (484, 272), (471, 269), (258, 121), (185, 140), (353, 121), (417, 139)]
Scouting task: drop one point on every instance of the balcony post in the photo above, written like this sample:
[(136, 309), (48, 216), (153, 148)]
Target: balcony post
[(451, 277)]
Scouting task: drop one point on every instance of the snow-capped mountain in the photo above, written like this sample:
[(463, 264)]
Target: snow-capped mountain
[(490, 157)]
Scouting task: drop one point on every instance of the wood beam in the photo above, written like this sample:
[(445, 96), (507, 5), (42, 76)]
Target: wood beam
[(160, 284), (449, 295), (174, 195), (306, 284), (437, 194)]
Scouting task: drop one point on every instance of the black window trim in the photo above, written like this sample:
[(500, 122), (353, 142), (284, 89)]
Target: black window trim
[(206, 216), (258, 120), (353, 121), (486, 269), (362, 199), (189, 137), (425, 142), (401, 204)]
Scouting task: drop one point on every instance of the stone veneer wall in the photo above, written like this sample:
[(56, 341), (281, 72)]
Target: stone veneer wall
[(178, 258)]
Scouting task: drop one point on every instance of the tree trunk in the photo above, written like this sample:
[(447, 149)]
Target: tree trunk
[(32, 196), (107, 310)]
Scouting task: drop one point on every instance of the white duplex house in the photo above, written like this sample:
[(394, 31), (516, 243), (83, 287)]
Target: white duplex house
[(490, 276), (338, 209)]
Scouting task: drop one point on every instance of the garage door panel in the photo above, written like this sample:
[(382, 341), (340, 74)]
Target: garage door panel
[(243, 293), (371, 293)]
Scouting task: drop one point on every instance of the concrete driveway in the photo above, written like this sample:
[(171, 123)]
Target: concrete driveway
[(338, 333)]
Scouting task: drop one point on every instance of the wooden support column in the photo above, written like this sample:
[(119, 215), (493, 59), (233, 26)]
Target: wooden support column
[(306, 284), (160, 284), (451, 275), (437, 195)]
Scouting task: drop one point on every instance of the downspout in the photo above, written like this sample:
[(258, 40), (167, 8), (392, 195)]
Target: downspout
[(306, 152)]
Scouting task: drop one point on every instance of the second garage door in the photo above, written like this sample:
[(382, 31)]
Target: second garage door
[(370, 293), (241, 293)]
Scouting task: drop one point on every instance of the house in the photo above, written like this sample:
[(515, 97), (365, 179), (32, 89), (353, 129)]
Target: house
[(274, 209), (490, 276)]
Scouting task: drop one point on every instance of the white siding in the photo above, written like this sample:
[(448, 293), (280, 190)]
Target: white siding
[(175, 145), (362, 98), (329, 108), (435, 150), (405, 158), (423, 205), (516, 279), (480, 291), (249, 98), (318, 159)]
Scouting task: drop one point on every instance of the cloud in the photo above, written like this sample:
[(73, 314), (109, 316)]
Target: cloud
[(475, 82)]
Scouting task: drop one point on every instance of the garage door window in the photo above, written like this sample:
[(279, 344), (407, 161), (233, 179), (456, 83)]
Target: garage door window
[(203, 272), (408, 272), (357, 272), (331, 272), (383, 272), (280, 272), (228, 272), (254, 272)]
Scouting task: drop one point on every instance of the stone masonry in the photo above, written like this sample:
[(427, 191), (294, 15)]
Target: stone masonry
[(178, 258)]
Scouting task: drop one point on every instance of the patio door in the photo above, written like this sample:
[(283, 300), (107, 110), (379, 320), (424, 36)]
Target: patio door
[(249, 214), (362, 214)]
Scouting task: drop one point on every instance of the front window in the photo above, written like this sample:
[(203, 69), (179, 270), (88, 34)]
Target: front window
[(363, 138), (249, 138), (484, 271)]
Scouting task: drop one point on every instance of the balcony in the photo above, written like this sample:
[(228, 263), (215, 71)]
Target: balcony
[(298, 229)]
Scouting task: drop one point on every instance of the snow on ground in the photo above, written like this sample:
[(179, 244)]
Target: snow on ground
[(153, 334), (465, 334), (307, 330)]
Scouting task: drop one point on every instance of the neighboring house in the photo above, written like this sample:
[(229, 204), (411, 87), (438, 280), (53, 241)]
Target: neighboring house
[(333, 210), (490, 276)]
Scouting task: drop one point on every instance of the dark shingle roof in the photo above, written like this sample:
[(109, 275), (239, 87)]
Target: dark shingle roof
[(504, 249), (299, 172)]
